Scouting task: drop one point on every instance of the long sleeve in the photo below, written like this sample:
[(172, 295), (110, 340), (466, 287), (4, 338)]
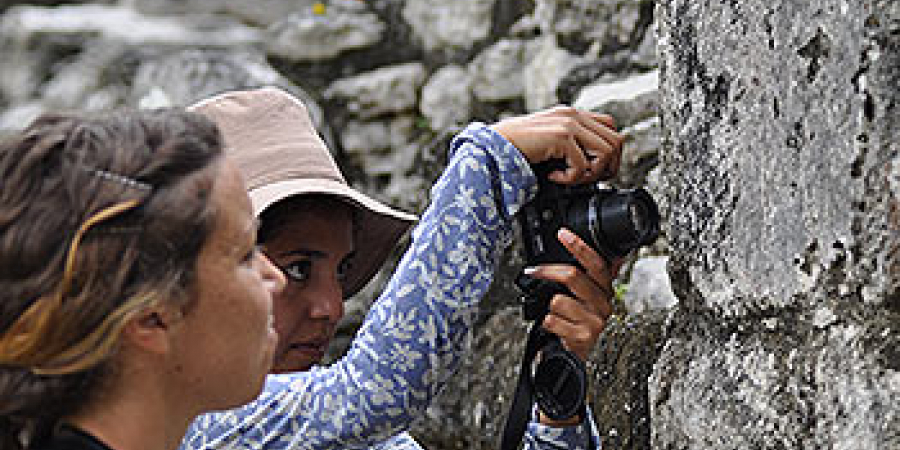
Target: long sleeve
[(414, 337), (583, 436)]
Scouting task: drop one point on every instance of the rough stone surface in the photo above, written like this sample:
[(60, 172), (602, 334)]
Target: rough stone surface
[(440, 24), (545, 70), (184, 77), (649, 286), (619, 372), (386, 90), (584, 23), (447, 98), (309, 35), (258, 12), (505, 61), (781, 128), (120, 23)]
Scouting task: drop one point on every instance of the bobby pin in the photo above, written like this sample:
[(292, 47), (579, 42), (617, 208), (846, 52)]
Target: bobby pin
[(121, 179)]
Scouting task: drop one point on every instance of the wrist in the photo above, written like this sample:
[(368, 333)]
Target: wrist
[(572, 421)]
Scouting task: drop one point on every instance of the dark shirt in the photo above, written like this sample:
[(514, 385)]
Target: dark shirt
[(69, 438)]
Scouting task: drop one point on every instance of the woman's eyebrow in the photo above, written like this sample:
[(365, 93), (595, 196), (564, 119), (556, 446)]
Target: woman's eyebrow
[(311, 254)]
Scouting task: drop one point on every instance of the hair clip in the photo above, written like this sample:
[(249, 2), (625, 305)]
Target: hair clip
[(121, 179)]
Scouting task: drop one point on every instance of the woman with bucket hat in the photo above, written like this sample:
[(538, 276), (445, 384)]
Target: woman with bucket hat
[(329, 240)]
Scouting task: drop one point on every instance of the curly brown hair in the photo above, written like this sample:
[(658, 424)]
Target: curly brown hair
[(101, 216)]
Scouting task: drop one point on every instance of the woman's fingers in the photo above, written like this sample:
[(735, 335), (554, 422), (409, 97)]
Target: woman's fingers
[(586, 140), (600, 274), (595, 297), (579, 318), (578, 328)]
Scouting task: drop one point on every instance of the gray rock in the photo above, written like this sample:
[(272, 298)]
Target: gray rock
[(645, 55), (260, 13), (640, 153), (183, 77), (447, 98), (781, 125), (547, 67), (23, 67), (267, 12), (439, 24), (630, 99), (124, 25), (387, 152), (788, 386), (497, 72), (81, 82), (649, 286), (365, 138), (10, 3), (386, 90), (602, 22), (619, 371), (779, 212), (174, 7), (373, 145), (310, 35), (18, 117)]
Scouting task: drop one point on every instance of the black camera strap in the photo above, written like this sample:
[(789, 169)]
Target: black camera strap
[(523, 399), (527, 393)]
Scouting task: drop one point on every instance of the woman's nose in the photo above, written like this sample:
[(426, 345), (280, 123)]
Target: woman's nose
[(329, 301)]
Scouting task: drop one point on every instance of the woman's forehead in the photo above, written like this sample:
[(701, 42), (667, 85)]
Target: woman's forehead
[(234, 213)]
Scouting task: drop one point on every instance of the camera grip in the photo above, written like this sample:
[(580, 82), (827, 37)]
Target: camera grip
[(536, 296)]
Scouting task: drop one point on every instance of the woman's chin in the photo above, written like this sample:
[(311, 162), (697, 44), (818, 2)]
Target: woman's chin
[(296, 360)]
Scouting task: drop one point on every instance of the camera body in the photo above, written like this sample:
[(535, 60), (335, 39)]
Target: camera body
[(613, 222)]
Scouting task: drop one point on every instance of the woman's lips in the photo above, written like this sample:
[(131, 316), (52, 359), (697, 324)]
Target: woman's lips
[(315, 350)]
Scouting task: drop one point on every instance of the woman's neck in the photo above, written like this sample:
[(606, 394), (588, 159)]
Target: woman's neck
[(135, 418)]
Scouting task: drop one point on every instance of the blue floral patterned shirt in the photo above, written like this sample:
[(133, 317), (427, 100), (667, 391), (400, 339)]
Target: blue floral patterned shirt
[(415, 335)]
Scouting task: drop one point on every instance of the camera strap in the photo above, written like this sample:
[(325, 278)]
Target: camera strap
[(523, 399), (527, 393)]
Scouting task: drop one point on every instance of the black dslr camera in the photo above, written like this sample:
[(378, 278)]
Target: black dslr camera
[(613, 222)]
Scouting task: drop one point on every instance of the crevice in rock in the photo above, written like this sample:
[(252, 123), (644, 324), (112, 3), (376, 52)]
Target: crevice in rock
[(816, 50)]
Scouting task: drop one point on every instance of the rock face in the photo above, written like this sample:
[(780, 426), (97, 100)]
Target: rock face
[(780, 172)]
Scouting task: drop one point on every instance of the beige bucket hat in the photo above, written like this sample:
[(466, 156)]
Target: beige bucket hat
[(269, 135)]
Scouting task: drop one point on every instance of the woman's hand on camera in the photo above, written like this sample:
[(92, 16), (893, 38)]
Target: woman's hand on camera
[(579, 320), (586, 140)]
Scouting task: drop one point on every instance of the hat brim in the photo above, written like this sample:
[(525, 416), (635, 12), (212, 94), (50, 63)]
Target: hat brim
[(380, 226)]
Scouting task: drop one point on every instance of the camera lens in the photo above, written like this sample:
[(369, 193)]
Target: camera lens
[(625, 220)]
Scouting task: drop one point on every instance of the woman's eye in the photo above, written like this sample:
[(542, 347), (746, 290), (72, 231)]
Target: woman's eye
[(251, 255), (343, 269), (298, 271)]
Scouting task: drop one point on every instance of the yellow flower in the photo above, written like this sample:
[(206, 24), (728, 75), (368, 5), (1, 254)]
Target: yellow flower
[(319, 8)]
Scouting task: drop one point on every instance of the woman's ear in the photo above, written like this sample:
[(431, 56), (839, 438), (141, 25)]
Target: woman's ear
[(151, 329)]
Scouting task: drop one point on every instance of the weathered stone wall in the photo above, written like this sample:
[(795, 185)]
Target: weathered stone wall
[(780, 169)]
